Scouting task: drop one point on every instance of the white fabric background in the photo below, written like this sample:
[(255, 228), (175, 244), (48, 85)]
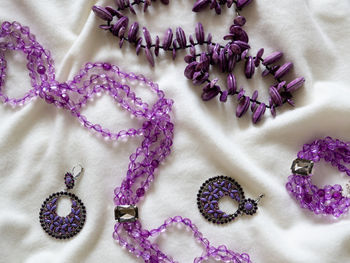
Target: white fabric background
[(38, 143)]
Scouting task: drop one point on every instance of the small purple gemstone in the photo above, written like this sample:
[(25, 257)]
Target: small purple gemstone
[(248, 206), (321, 193), (337, 195), (106, 66), (329, 210), (307, 198), (140, 192)]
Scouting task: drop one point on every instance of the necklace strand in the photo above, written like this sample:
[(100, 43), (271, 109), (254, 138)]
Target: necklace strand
[(156, 130), (225, 57)]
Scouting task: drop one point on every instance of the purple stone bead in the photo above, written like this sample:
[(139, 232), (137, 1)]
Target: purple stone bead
[(133, 31), (242, 3), (199, 5), (243, 106), (168, 38), (275, 96), (240, 21), (41, 69), (295, 84), (102, 13), (147, 36), (273, 58), (249, 67), (283, 70), (259, 112)]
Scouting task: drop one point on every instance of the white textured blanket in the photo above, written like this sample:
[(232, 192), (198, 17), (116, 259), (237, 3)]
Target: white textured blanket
[(38, 142)]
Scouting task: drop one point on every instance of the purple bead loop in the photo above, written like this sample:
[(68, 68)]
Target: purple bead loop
[(328, 200), (156, 130), (225, 57)]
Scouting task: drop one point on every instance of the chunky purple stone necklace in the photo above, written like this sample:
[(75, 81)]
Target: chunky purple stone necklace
[(225, 57), (328, 200), (156, 130)]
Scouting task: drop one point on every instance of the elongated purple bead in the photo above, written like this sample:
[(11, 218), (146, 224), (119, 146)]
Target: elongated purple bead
[(275, 96), (133, 30), (249, 67), (190, 70), (149, 56), (210, 93), (147, 36), (258, 57), (181, 37), (200, 33), (243, 45), (223, 96), (199, 5), (113, 11), (275, 56), (242, 3), (122, 22), (138, 45), (102, 13), (156, 48), (243, 106), (168, 38), (295, 84), (283, 70), (254, 98), (235, 49), (259, 112), (231, 84)]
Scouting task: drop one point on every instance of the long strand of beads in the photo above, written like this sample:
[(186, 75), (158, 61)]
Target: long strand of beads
[(328, 200), (225, 57), (156, 130)]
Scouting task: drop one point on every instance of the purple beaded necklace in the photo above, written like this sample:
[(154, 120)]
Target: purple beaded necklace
[(156, 130), (328, 200), (226, 57)]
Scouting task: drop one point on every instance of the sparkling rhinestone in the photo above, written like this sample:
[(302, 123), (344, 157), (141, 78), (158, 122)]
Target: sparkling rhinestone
[(302, 166), (126, 213)]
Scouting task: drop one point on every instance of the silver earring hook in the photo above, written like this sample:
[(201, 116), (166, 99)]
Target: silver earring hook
[(259, 198), (78, 173)]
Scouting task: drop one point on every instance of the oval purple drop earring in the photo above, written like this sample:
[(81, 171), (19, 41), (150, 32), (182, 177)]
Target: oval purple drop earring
[(63, 227)]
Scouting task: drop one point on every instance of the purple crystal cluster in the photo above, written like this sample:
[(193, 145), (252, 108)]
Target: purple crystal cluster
[(62, 227), (213, 190), (225, 57), (328, 200)]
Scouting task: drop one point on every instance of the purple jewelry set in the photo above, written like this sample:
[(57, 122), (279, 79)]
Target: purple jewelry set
[(156, 127)]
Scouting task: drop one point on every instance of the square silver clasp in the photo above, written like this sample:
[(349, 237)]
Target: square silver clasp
[(302, 166), (126, 213)]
